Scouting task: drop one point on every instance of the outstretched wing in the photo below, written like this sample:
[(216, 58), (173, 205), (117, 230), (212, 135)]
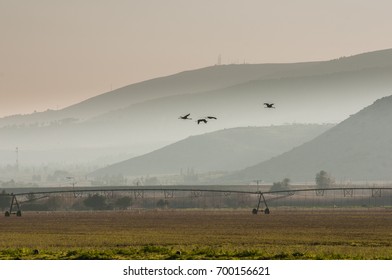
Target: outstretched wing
[(269, 105), (185, 117)]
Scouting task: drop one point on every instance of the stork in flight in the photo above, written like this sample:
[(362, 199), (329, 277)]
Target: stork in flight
[(211, 118), (201, 121), (269, 105), (185, 117)]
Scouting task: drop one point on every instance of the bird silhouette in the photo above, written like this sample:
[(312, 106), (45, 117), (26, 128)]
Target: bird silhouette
[(201, 121), (269, 105), (211, 118), (185, 117)]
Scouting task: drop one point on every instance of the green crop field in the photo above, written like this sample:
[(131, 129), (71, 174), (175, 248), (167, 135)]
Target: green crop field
[(199, 234)]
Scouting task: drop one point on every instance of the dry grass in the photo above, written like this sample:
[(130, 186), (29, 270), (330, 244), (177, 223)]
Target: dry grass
[(198, 234)]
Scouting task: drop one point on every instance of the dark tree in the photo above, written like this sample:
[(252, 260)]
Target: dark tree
[(54, 203), (281, 186), (324, 180), (96, 202), (5, 200), (162, 203), (123, 202)]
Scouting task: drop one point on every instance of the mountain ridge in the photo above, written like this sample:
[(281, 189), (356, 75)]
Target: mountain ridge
[(308, 92), (199, 80), (222, 150), (185, 82), (357, 149)]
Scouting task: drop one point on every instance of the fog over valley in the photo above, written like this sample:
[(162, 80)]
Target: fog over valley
[(137, 131)]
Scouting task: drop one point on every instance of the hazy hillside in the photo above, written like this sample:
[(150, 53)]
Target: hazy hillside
[(200, 80), (357, 149), (143, 117), (313, 99), (193, 81), (224, 150)]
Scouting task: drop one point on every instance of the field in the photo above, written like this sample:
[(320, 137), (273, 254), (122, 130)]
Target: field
[(363, 233)]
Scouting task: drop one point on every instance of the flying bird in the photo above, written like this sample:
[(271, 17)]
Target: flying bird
[(211, 118), (269, 105), (201, 121), (185, 117)]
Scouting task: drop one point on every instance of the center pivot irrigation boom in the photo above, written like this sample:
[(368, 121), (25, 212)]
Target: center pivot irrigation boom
[(16, 199), (195, 193)]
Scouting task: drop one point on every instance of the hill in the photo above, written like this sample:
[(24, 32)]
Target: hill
[(224, 150), (357, 149), (187, 82), (198, 81), (143, 117)]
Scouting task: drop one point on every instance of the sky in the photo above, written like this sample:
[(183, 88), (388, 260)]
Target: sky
[(56, 53)]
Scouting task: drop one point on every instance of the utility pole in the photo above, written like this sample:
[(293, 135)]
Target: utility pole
[(73, 182), (258, 181), (17, 159)]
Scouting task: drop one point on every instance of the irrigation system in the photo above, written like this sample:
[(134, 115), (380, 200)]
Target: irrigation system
[(181, 197)]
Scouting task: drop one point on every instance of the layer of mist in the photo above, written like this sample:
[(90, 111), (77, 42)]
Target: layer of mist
[(134, 121)]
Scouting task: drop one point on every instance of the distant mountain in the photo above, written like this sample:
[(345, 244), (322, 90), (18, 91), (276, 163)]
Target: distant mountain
[(198, 81), (357, 149), (143, 117), (187, 82), (224, 150), (312, 99)]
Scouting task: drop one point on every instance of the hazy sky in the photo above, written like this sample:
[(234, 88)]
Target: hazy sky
[(54, 53)]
